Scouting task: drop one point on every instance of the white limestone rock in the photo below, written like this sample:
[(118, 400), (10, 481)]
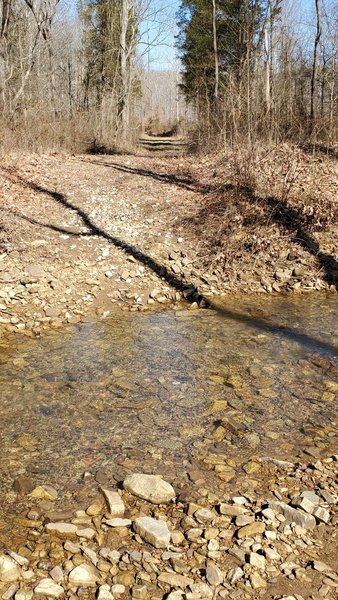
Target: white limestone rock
[(9, 570), (149, 487), (83, 576), (64, 531), (115, 503), (48, 587), (153, 531)]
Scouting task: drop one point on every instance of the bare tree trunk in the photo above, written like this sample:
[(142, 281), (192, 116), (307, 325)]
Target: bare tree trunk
[(332, 87), (214, 31), (267, 71), (6, 6), (315, 67), (124, 109)]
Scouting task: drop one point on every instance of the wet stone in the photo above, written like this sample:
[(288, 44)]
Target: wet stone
[(44, 492), (23, 485)]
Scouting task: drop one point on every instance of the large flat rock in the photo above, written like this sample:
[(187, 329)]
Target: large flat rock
[(149, 487)]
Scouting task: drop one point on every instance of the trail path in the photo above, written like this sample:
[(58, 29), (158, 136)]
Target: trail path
[(86, 232)]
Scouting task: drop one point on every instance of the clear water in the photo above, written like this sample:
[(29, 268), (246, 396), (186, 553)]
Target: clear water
[(147, 392)]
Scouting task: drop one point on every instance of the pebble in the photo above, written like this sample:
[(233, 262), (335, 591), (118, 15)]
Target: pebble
[(21, 560), (257, 581), (57, 574), (294, 515), (322, 514), (175, 580), (257, 560), (200, 590), (63, 531), (23, 595), (177, 538), (118, 589), (235, 575), (83, 575), (9, 570), (9, 593), (117, 522), (88, 533), (255, 528), (321, 566), (149, 487), (153, 531), (48, 587), (104, 593), (214, 575), (44, 492), (115, 503)]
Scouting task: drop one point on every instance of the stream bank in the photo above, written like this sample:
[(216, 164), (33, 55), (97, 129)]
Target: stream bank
[(80, 234)]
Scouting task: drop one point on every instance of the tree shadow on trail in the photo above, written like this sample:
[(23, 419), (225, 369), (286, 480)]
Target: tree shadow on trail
[(189, 291), (187, 183), (279, 211)]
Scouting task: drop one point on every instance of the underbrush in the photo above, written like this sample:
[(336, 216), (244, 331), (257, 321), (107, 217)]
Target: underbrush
[(262, 200)]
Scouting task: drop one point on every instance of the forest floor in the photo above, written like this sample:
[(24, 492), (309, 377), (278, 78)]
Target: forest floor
[(80, 233)]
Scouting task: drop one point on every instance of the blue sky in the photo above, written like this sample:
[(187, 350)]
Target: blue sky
[(160, 27)]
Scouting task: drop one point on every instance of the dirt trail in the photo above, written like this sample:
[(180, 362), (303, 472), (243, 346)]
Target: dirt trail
[(88, 231)]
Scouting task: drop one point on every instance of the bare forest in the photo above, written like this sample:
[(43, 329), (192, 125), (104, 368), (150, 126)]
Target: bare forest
[(76, 76), (242, 129)]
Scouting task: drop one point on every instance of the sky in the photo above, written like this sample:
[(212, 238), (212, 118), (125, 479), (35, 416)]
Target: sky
[(158, 30)]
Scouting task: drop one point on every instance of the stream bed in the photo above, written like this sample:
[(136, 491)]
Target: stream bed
[(159, 392)]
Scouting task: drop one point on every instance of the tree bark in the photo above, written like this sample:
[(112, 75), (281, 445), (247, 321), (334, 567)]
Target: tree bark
[(6, 6), (214, 31), (315, 67), (267, 71), (123, 69)]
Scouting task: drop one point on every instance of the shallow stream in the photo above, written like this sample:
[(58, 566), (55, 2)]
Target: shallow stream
[(158, 392)]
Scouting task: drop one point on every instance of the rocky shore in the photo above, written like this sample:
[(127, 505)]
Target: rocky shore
[(145, 540), (79, 235)]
